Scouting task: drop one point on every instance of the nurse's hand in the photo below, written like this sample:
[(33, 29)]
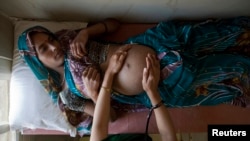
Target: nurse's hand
[(117, 59), (151, 75)]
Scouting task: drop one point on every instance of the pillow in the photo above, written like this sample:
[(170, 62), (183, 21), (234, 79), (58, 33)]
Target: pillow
[(30, 106)]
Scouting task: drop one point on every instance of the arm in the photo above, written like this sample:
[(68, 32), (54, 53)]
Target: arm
[(89, 108), (163, 120), (91, 79), (109, 25), (78, 44), (151, 76), (102, 110)]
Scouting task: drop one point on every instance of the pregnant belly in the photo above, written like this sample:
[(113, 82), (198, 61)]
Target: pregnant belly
[(129, 80)]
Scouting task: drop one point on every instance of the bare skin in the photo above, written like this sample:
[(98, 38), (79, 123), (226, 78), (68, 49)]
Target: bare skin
[(150, 80), (51, 55), (128, 79), (151, 77)]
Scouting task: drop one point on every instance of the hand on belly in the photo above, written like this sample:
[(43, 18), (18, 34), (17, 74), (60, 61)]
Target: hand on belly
[(129, 80)]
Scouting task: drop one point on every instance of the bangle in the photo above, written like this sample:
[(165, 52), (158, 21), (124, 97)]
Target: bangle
[(105, 26), (106, 89), (158, 105)]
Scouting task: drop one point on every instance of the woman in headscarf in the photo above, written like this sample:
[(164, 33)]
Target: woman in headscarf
[(201, 64), (46, 54)]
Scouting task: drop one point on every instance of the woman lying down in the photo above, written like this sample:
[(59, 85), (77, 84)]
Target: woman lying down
[(203, 63)]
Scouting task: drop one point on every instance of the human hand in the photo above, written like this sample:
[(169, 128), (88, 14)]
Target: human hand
[(78, 45), (151, 74), (91, 80), (117, 59)]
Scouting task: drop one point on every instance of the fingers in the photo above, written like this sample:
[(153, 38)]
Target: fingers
[(152, 65), (147, 63), (122, 56), (145, 75), (153, 61), (98, 77), (85, 72), (125, 48), (120, 59), (77, 49), (117, 61), (79, 52), (91, 74)]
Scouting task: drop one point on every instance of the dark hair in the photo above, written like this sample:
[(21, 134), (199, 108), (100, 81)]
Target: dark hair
[(32, 33)]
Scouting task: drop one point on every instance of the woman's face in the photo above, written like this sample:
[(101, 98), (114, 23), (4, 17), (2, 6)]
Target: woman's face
[(48, 50)]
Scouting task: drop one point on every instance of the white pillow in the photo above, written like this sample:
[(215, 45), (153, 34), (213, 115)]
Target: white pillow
[(30, 106)]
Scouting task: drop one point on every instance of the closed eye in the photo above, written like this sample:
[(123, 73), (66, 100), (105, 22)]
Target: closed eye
[(42, 48)]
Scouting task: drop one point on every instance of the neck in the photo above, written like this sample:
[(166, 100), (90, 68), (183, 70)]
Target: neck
[(61, 71)]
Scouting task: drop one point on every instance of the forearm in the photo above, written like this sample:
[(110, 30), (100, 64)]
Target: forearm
[(89, 108), (107, 26), (102, 110), (163, 120), (101, 116), (103, 101)]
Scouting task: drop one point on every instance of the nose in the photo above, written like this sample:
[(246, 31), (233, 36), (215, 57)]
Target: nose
[(52, 47)]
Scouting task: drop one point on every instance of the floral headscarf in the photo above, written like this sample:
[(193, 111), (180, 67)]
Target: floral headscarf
[(45, 75)]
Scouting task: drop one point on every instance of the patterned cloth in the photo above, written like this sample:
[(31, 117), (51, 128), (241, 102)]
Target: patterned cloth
[(73, 70), (73, 67), (202, 64)]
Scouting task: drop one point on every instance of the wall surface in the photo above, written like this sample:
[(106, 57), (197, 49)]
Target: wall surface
[(6, 47), (143, 11), (6, 37)]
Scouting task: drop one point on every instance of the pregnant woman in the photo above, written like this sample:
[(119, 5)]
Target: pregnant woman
[(201, 64)]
